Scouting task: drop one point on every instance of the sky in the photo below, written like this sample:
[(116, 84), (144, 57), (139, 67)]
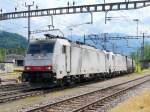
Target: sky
[(122, 24)]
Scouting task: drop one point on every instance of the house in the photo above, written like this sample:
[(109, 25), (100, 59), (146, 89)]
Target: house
[(6, 67), (18, 60)]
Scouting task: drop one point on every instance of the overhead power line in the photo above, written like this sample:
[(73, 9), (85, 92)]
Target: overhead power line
[(104, 38), (105, 7)]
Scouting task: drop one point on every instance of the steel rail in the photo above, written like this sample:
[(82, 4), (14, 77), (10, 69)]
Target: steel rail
[(10, 87), (20, 96), (9, 91), (108, 98), (6, 93)]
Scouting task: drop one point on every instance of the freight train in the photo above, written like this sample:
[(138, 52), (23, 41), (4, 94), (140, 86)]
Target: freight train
[(58, 60)]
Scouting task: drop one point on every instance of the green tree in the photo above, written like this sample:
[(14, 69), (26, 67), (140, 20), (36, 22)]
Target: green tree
[(136, 56), (2, 54), (147, 51)]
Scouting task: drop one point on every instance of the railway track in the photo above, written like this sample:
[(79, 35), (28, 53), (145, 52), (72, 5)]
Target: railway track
[(18, 95), (14, 92), (89, 102), (9, 80), (19, 91), (10, 87)]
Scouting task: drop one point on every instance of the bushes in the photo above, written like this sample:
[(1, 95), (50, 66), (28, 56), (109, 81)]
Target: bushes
[(2, 54), (137, 56)]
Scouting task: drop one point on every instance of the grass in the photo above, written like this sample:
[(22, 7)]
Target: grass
[(144, 71), (140, 103), (13, 75)]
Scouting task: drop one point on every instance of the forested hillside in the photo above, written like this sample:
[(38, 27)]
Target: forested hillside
[(11, 43), (11, 40)]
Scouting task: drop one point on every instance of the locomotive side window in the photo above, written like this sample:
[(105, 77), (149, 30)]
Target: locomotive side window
[(64, 49)]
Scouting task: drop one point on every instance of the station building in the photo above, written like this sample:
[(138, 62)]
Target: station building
[(18, 60)]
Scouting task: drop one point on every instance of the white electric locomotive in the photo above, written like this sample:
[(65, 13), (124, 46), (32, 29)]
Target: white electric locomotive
[(58, 60)]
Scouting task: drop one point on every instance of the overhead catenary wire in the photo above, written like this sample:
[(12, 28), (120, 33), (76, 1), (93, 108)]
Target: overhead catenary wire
[(15, 0)]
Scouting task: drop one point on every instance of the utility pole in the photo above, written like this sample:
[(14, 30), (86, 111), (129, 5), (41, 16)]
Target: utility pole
[(91, 18), (113, 47), (142, 50), (106, 17), (137, 28), (71, 29), (105, 41), (29, 19), (105, 13), (137, 33), (143, 43), (1, 11), (5, 53), (84, 39), (104, 1), (52, 21)]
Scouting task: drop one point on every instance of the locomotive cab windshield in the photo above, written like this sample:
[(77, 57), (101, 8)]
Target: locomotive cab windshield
[(41, 48)]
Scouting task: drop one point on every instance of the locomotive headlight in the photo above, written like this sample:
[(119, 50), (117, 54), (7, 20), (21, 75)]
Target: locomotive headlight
[(27, 68), (49, 67)]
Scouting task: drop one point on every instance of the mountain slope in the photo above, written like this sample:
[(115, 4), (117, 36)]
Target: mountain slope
[(11, 40)]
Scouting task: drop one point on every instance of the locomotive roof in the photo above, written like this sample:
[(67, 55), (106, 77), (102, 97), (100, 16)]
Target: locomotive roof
[(43, 41), (54, 38), (49, 36)]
